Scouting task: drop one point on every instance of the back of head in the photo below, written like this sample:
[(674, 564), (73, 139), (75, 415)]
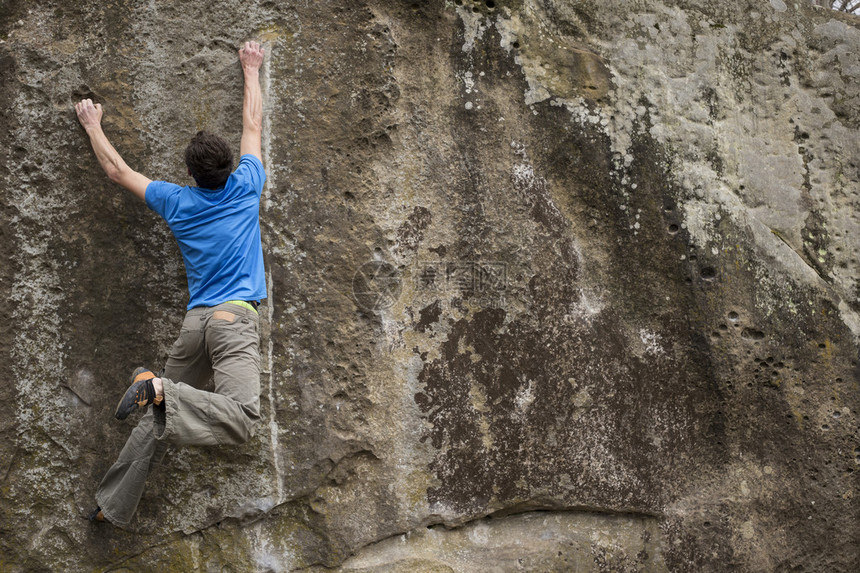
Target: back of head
[(209, 160)]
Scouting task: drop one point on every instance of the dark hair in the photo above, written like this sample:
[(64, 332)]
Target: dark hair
[(209, 159)]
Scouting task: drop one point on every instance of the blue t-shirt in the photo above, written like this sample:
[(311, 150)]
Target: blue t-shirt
[(218, 233)]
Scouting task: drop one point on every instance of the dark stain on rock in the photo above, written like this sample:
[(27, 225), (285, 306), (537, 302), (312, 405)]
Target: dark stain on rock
[(440, 250), (535, 389), (428, 315)]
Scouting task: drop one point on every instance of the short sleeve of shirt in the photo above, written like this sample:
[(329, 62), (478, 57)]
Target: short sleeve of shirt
[(250, 169), (162, 197)]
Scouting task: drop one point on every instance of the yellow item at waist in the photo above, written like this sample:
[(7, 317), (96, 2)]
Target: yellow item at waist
[(242, 303)]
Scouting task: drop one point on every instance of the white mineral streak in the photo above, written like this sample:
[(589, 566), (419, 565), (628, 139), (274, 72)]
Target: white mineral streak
[(274, 430)]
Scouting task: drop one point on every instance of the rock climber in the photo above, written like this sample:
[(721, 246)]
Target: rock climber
[(216, 223)]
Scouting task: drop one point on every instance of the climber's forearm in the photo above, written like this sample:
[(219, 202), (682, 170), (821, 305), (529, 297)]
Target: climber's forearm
[(90, 116), (252, 115), (113, 164), (109, 158)]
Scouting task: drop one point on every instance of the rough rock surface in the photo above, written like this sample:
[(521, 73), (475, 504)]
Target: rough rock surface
[(613, 318)]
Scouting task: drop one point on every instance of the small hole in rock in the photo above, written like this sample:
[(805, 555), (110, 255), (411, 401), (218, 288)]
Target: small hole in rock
[(673, 229), (752, 334), (708, 273)]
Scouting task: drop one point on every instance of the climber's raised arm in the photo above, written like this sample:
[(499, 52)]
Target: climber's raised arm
[(251, 57), (90, 116)]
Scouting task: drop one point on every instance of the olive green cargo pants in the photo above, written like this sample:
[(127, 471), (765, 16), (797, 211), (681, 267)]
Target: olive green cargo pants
[(221, 342)]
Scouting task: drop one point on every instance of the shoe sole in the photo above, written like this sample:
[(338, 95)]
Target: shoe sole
[(129, 402)]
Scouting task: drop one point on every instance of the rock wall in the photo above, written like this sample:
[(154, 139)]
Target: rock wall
[(554, 285)]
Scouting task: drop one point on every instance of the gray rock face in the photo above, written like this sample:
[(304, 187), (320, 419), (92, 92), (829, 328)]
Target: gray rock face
[(554, 285)]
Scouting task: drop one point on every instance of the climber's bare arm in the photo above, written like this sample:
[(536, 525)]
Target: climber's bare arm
[(251, 58), (90, 116)]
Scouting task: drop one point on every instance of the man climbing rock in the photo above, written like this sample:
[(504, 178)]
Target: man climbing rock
[(216, 224)]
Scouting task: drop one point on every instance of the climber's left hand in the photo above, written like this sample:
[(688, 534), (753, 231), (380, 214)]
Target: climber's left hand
[(89, 114)]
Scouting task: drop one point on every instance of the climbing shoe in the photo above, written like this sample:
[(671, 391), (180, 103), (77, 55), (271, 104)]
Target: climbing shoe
[(97, 515), (140, 394)]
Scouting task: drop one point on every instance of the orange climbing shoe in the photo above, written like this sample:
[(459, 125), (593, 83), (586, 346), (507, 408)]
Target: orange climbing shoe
[(139, 395)]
